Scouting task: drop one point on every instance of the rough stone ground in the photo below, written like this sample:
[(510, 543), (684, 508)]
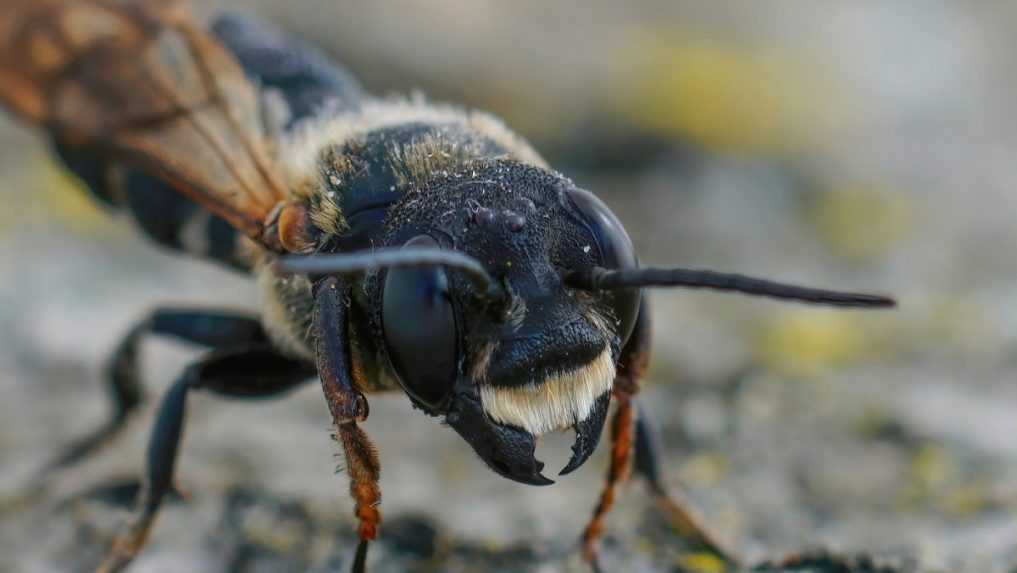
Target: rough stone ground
[(885, 438)]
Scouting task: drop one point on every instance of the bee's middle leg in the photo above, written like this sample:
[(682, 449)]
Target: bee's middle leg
[(207, 328), (631, 367), (256, 371), (629, 432), (675, 505)]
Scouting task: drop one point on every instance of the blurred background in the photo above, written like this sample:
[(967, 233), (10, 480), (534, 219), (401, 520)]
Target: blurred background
[(862, 144)]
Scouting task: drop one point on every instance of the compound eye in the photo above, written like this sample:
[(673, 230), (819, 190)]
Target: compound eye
[(420, 328), (616, 252)]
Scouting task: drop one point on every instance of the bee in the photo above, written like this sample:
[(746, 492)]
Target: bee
[(398, 244)]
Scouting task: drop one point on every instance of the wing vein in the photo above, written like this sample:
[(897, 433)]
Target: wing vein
[(253, 153)]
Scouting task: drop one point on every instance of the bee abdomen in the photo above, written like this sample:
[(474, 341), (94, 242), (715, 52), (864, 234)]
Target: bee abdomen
[(309, 82), (162, 213)]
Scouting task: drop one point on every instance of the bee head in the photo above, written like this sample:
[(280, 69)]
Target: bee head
[(503, 295), (538, 357)]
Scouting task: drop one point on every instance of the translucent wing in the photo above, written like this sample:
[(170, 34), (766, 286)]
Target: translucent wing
[(141, 82)]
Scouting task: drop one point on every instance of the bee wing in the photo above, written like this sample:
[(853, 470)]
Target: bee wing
[(141, 82)]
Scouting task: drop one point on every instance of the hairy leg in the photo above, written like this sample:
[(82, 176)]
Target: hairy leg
[(245, 372), (348, 407)]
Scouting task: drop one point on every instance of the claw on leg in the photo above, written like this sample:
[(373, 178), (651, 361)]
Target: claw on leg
[(129, 543), (689, 525)]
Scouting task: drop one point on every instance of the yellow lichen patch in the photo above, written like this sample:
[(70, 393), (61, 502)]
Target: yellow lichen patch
[(701, 562), (931, 467), (861, 222), (957, 325), (264, 528), (967, 499), (806, 342), (932, 474), (704, 469), (60, 196), (724, 96)]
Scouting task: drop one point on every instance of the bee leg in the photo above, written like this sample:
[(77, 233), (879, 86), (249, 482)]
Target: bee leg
[(631, 366), (348, 407), (207, 328), (621, 448), (675, 506), (256, 371), (363, 468)]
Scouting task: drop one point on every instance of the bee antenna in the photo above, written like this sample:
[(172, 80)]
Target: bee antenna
[(599, 278), (359, 262)]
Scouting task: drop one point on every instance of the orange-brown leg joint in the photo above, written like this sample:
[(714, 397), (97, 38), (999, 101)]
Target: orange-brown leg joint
[(622, 436), (364, 470), (128, 543)]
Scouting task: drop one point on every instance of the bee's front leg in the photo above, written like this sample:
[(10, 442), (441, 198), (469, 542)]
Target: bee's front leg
[(348, 407)]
